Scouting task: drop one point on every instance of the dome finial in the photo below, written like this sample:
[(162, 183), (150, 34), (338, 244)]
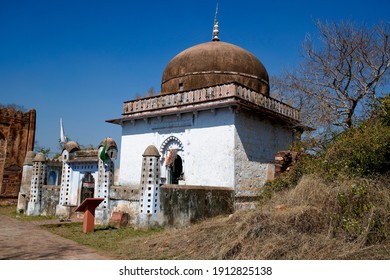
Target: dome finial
[(215, 29)]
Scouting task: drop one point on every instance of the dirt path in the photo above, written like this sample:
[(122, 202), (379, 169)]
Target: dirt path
[(26, 241)]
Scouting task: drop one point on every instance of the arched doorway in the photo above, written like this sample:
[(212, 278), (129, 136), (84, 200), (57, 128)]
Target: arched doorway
[(175, 170), (87, 186), (172, 160)]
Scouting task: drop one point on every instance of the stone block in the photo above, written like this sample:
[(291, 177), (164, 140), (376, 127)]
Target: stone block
[(119, 219)]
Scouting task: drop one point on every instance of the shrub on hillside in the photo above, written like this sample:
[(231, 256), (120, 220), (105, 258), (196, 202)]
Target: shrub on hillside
[(361, 211), (385, 110), (361, 151)]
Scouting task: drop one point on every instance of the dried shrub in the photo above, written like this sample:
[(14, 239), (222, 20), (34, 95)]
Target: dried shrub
[(362, 211)]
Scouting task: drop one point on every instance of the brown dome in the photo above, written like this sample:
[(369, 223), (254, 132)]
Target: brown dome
[(211, 64), (30, 155), (39, 157), (71, 146), (110, 143), (151, 151)]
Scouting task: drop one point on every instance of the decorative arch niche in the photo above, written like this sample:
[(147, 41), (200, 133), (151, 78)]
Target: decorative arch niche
[(172, 160), (171, 142), (87, 186)]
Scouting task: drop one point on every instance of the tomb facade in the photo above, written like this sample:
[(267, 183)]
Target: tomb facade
[(204, 146)]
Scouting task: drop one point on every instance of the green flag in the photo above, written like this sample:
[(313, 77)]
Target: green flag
[(103, 155)]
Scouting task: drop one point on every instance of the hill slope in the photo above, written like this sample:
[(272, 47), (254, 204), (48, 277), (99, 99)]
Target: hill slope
[(301, 223), (335, 205)]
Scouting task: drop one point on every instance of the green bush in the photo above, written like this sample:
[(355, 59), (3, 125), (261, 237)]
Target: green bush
[(385, 110), (361, 151)]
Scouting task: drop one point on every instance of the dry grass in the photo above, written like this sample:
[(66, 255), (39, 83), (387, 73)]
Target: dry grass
[(310, 221), (295, 224)]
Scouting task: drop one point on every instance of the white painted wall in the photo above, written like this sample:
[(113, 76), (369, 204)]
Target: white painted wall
[(210, 145), (135, 138), (208, 142)]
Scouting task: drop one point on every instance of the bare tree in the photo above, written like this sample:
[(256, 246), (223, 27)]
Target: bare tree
[(151, 92), (14, 106), (343, 75), (41, 149)]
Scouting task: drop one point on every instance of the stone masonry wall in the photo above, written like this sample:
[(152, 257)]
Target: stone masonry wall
[(49, 200), (125, 200), (181, 205), (17, 134), (257, 140)]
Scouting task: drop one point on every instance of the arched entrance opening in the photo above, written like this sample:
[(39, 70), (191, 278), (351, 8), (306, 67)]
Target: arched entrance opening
[(87, 186), (172, 160), (175, 170)]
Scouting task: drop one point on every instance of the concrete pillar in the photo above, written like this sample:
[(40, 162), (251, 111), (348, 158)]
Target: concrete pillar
[(150, 188), (24, 193), (37, 181)]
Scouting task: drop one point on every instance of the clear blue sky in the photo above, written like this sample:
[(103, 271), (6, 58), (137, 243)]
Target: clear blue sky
[(80, 60)]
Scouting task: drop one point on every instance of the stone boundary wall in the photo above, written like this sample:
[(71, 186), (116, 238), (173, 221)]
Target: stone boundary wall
[(49, 200), (182, 205), (124, 200), (284, 160), (124, 193)]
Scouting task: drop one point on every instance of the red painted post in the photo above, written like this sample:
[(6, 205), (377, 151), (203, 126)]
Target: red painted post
[(88, 206)]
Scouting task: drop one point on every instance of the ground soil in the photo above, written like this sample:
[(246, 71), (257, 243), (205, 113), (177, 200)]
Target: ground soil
[(21, 240)]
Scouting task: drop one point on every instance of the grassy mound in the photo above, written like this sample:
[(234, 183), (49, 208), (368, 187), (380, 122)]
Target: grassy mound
[(335, 205), (315, 220)]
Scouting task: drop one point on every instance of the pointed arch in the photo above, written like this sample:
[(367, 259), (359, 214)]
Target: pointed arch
[(172, 160), (87, 189), (171, 142)]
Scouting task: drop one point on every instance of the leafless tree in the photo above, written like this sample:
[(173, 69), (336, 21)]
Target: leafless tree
[(14, 106), (343, 75), (151, 92)]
